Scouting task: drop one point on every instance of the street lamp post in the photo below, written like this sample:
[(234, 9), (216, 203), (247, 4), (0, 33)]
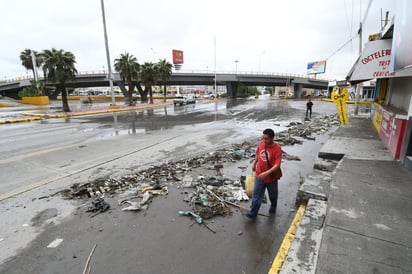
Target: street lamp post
[(109, 67), (237, 61), (215, 65)]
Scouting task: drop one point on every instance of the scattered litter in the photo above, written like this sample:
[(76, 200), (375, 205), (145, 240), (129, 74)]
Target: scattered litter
[(213, 181), (87, 267), (55, 243), (134, 206), (25, 225), (207, 194), (98, 206), (198, 219), (137, 206), (241, 195), (187, 181), (238, 154)]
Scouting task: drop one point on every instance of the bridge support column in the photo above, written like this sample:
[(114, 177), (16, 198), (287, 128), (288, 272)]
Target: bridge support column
[(231, 89), (297, 90)]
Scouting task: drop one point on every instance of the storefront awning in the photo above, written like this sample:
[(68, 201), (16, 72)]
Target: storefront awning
[(373, 63)]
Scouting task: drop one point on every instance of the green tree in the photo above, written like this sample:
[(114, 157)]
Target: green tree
[(59, 66), (129, 69), (165, 71), (149, 75), (244, 91), (32, 90), (27, 62)]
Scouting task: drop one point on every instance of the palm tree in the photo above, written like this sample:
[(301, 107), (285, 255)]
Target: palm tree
[(165, 71), (149, 77), (59, 66), (26, 61), (129, 69)]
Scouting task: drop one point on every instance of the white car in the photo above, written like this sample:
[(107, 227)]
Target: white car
[(184, 99), (210, 96)]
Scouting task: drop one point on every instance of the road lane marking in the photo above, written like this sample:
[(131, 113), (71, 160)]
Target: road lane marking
[(26, 188), (46, 181), (36, 153)]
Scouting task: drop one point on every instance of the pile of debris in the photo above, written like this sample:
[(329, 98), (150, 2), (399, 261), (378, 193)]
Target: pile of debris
[(320, 125), (209, 194), (158, 177)]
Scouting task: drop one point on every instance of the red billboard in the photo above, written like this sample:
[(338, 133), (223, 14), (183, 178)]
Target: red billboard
[(177, 56)]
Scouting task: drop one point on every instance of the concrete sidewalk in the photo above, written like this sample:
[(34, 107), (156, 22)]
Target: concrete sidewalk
[(359, 217)]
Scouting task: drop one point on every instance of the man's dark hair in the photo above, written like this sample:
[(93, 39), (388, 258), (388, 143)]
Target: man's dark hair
[(269, 132)]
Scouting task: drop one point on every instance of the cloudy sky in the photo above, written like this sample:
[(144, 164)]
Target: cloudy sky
[(277, 36)]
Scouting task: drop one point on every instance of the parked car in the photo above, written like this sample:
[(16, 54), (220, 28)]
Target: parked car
[(184, 99), (210, 96)]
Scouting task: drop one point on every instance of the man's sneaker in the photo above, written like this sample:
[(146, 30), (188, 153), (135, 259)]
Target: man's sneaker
[(272, 211), (250, 216)]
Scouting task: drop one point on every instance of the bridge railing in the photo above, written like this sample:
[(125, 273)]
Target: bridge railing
[(95, 72), (282, 74), (30, 77)]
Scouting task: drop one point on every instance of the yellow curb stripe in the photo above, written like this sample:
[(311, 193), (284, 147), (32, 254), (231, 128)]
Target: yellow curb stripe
[(20, 120), (349, 102), (41, 116), (69, 114), (287, 241)]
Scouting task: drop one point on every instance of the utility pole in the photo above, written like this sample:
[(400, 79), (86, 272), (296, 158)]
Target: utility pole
[(109, 67), (36, 76), (33, 61), (215, 65), (358, 86)]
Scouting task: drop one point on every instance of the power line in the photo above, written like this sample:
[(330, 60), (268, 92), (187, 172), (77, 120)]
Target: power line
[(349, 17), (350, 39), (341, 47), (367, 11)]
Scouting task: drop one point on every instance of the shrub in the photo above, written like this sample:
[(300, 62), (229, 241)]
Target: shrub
[(27, 92), (36, 89)]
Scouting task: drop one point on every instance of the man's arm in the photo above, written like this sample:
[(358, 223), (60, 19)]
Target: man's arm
[(254, 164)]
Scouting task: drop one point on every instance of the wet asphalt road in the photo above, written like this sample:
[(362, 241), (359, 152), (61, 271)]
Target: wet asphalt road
[(157, 240)]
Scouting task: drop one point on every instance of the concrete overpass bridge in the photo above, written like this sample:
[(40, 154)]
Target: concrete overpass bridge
[(232, 81)]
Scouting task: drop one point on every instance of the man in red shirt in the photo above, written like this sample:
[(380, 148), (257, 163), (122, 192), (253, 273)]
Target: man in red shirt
[(267, 167)]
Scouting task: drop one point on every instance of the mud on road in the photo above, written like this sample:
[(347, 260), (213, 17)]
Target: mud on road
[(159, 240)]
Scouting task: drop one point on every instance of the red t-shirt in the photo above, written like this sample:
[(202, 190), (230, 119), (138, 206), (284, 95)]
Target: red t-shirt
[(275, 158)]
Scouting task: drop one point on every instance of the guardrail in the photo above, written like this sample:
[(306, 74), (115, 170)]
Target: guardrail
[(291, 75), (254, 73)]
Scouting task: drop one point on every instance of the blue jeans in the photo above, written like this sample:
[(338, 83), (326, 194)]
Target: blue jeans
[(259, 193)]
